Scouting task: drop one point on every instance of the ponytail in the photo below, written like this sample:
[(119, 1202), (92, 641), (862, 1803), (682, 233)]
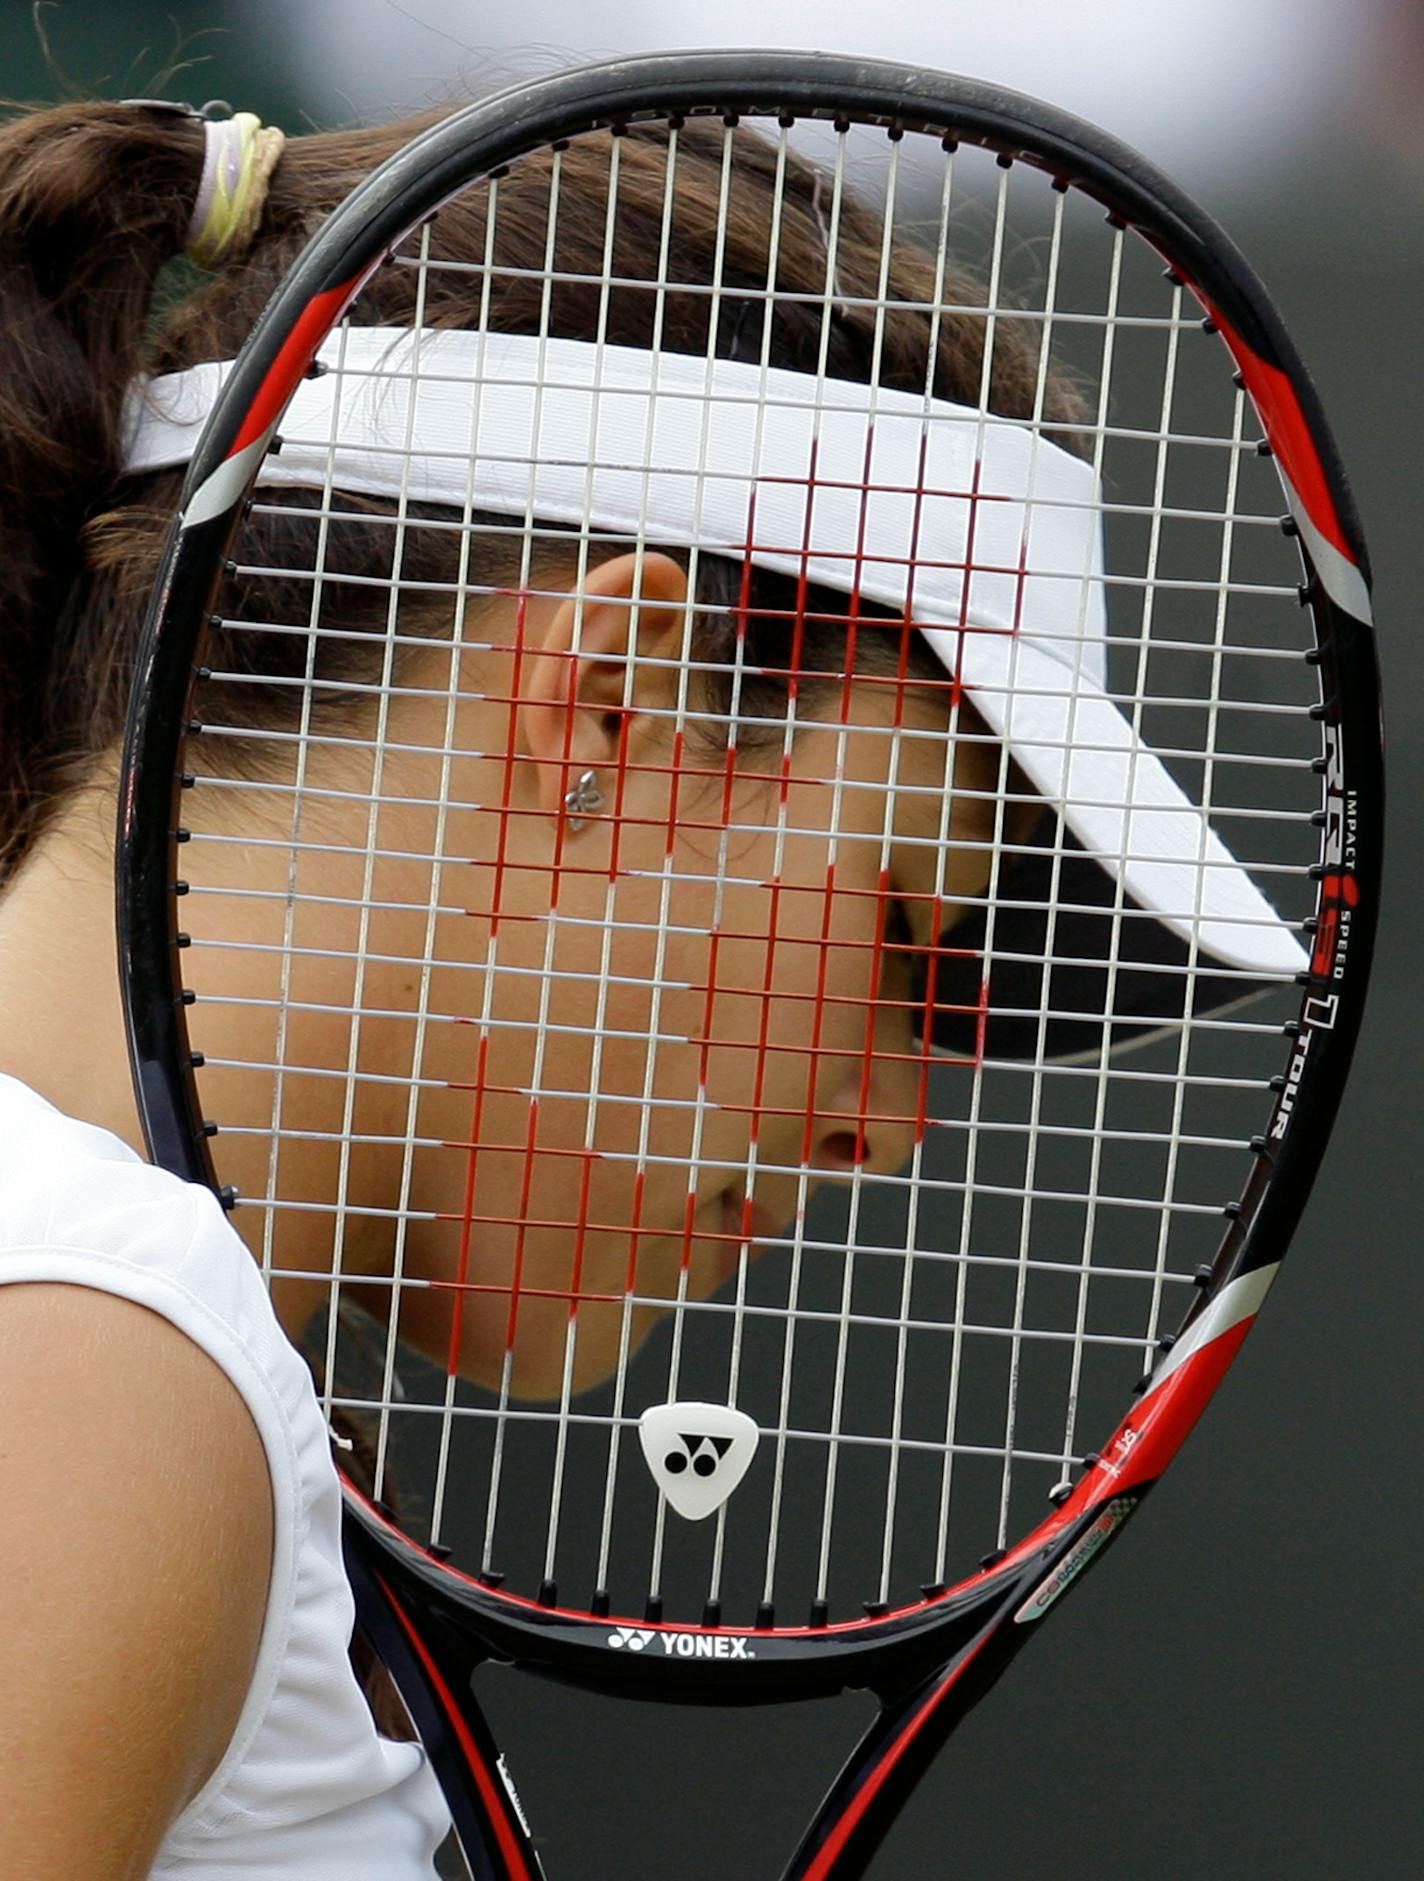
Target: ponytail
[(94, 200)]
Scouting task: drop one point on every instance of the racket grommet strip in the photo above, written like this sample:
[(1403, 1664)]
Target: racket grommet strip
[(548, 1593), (820, 1613), (992, 1559), (601, 1605), (765, 1617)]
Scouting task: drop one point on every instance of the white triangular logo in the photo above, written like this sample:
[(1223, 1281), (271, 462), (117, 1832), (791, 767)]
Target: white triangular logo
[(697, 1453)]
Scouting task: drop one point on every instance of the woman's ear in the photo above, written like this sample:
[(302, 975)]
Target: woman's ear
[(581, 678)]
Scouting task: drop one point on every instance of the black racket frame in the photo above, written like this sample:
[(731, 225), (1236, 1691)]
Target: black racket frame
[(961, 1637)]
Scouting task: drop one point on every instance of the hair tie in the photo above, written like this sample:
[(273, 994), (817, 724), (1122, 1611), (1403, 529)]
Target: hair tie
[(238, 162)]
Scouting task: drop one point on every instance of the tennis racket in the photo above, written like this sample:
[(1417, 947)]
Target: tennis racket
[(749, 847)]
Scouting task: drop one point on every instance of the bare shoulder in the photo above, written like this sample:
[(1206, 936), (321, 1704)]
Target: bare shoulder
[(135, 1550)]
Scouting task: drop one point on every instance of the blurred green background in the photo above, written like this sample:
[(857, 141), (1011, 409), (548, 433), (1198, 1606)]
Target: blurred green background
[(1238, 1692)]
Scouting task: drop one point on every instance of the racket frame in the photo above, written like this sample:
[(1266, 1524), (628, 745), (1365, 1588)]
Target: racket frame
[(930, 1662)]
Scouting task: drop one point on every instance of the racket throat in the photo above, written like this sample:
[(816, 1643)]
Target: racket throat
[(431, 1663)]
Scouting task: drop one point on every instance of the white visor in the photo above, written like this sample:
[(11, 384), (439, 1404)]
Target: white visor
[(980, 529)]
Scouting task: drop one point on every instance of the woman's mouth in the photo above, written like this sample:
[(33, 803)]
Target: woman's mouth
[(741, 1222)]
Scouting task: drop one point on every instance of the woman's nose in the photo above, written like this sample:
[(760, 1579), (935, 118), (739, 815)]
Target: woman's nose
[(873, 1118)]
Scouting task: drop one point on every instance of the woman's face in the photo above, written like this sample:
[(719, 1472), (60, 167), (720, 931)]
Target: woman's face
[(639, 1043)]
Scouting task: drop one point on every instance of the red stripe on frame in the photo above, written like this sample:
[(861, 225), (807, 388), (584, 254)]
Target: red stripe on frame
[(1167, 1418), (298, 351), (491, 1794), (1286, 431), (1146, 1440), (830, 1850), (1167, 1415)]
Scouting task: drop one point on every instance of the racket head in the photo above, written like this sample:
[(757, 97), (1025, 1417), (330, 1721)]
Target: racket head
[(813, 1638)]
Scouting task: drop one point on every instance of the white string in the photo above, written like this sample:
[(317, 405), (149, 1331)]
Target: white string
[(542, 1034), (625, 1329), (709, 367), (929, 1357), (600, 1017)]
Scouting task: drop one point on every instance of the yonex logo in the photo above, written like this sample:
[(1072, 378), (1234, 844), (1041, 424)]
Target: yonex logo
[(697, 1454), (703, 1454), (634, 1638), (684, 1645), (705, 1646)]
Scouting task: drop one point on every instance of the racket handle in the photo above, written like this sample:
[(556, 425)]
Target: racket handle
[(431, 1669)]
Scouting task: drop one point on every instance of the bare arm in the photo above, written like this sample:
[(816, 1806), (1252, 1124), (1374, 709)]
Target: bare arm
[(135, 1550)]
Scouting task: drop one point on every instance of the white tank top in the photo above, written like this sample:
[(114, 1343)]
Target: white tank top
[(307, 1790)]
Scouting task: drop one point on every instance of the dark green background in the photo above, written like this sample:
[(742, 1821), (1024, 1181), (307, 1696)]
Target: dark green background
[(1236, 1693)]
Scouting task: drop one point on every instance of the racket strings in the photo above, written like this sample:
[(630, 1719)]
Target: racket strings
[(644, 1098)]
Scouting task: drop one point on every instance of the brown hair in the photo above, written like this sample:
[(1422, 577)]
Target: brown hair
[(95, 203), (95, 200)]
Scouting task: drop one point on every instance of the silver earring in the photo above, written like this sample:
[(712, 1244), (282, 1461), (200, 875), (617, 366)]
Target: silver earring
[(583, 800)]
